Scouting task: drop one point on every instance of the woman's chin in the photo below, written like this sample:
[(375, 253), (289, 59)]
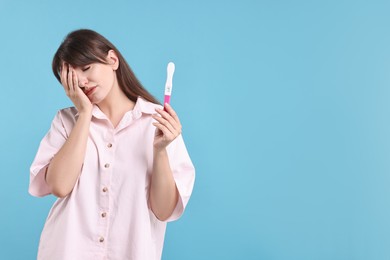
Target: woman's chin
[(93, 99)]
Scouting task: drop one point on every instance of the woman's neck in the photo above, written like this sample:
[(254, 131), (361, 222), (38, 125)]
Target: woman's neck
[(115, 105)]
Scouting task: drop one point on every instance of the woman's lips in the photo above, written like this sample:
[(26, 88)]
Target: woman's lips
[(89, 91)]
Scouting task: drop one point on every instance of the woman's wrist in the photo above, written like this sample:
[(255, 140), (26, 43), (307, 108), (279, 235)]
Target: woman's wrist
[(159, 151), (85, 114)]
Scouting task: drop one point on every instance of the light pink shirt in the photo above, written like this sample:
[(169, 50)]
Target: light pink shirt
[(107, 215)]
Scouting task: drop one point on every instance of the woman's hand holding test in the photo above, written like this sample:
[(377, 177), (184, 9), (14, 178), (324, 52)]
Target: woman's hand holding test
[(168, 127), (163, 193)]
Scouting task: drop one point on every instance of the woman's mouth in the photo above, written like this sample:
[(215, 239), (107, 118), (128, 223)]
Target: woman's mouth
[(89, 91)]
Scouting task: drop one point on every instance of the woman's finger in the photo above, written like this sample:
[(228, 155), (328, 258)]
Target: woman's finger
[(64, 75), (166, 133), (75, 80), (176, 124), (164, 122), (70, 80)]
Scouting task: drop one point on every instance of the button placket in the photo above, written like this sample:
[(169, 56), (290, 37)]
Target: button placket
[(106, 156)]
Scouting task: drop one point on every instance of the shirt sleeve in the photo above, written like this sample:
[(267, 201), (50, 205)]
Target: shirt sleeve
[(184, 174), (49, 146)]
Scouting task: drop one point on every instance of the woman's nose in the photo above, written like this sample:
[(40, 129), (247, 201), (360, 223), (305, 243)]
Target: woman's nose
[(83, 81)]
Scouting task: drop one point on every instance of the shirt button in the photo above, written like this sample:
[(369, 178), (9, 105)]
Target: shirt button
[(109, 145), (107, 165), (101, 239), (105, 189), (104, 214)]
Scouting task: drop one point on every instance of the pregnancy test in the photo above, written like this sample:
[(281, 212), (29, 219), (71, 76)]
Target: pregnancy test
[(168, 84)]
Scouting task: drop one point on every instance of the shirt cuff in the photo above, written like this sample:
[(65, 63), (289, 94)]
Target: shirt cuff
[(38, 186)]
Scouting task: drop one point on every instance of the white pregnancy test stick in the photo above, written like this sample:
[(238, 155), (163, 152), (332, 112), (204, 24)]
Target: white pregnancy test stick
[(168, 84)]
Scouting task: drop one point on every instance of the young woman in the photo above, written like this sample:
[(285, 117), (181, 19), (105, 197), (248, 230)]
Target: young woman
[(116, 160)]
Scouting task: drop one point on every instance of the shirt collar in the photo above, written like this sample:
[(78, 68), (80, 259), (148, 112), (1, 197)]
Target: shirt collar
[(146, 107), (141, 106)]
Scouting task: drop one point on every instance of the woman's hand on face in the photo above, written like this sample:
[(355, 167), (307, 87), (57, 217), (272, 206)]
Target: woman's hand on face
[(168, 127), (71, 86)]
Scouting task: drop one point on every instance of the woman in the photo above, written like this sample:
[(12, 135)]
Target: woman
[(116, 160)]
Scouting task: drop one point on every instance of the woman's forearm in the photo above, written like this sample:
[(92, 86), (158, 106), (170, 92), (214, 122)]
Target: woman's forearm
[(64, 169), (163, 192)]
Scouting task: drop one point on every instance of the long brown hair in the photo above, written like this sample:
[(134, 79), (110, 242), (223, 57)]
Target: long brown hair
[(83, 47)]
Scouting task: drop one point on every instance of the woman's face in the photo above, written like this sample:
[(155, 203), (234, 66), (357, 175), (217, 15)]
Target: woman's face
[(97, 79)]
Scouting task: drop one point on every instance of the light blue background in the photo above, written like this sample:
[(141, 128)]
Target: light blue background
[(285, 107)]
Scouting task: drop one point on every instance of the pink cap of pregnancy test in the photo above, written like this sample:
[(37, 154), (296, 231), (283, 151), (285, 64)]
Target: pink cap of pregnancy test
[(167, 99)]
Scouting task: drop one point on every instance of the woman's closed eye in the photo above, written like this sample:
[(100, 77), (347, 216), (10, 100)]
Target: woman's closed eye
[(86, 68)]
